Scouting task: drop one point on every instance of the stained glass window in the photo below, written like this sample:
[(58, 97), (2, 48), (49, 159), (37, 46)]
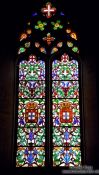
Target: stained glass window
[(48, 110)]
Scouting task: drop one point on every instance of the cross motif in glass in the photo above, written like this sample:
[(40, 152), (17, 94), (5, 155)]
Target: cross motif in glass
[(66, 115), (48, 10), (31, 116)]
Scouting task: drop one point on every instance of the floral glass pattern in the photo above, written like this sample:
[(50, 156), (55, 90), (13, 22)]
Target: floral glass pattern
[(66, 113), (57, 25), (40, 25), (31, 114)]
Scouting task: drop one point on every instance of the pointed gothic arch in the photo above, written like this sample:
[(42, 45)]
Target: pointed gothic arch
[(48, 110)]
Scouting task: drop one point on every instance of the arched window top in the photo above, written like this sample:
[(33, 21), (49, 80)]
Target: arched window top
[(48, 32), (48, 109), (32, 69), (65, 69)]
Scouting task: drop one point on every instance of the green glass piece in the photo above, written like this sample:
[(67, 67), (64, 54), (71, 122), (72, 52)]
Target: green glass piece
[(39, 22), (75, 49), (52, 23), (55, 28), (42, 29), (40, 25), (21, 50), (36, 27), (58, 21), (57, 25), (60, 26)]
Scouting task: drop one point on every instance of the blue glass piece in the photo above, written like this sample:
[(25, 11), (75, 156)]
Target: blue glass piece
[(71, 150), (57, 121), (26, 151), (76, 121), (31, 84), (40, 121), (21, 121), (65, 84), (30, 158), (35, 152), (34, 14), (62, 14), (61, 151), (66, 135), (67, 158), (31, 135)]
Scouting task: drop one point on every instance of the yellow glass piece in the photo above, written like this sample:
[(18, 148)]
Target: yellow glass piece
[(28, 23), (55, 49), (73, 35), (29, 31), (57, 25), (27, 45), (42, 49), (23, 36), (37, 44), (68, 30), (41, 25), (69, 44)]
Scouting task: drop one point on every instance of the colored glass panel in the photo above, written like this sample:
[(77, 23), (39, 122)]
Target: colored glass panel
[(61, 111), (65, 70), (31, 114), (31, 136), (67, 156), (65, 112), (32, 70), (65, 89), (31, 89), (30, 157), (66, 136)]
